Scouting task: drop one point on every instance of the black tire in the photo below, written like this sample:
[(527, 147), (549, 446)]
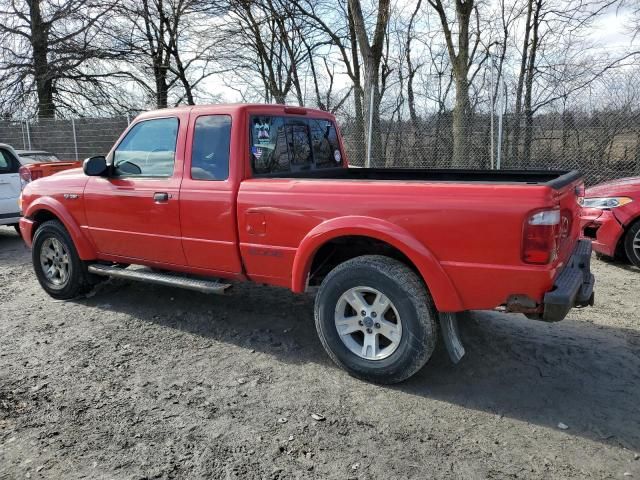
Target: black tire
[(411, 300), (633, 235), (78, 279), (17, 227)]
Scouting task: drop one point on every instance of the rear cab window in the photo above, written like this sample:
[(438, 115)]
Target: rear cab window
[(281, 144)]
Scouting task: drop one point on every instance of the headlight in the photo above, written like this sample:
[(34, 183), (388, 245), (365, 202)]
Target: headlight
[(605, 203)]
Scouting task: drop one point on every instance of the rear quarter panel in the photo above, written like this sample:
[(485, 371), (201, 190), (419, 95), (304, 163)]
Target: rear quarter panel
[(473, 231)]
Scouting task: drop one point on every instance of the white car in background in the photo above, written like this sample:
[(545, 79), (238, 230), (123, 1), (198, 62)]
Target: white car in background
[(10, 187)]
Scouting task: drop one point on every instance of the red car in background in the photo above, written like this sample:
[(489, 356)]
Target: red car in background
[(611, 218), (39, 163)]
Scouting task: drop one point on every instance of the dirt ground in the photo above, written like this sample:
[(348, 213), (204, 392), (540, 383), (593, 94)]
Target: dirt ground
[(140, 381)]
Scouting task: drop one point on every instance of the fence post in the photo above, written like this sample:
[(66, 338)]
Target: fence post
[(500, 111), (368, 161), (75, 140), (24, 140), (26, 123), (492, 108)]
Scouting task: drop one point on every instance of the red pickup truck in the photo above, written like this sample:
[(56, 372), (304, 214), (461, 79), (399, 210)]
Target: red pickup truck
[(197, 196)]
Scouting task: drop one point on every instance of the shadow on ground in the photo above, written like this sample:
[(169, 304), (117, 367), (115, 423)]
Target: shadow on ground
[(13, 250), (584, 375)]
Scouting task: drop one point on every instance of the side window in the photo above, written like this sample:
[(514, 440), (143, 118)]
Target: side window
[(324, 140), (269, 152), (7, 163), (148, 150), (210, 153)]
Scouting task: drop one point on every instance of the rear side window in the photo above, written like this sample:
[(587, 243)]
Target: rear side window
[(291, 144), (148, 150), (210, 153)]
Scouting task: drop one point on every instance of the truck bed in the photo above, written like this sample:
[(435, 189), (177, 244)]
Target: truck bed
[(551, 178)]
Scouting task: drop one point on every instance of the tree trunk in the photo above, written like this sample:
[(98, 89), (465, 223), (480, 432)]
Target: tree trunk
[(515, 143), (528, 111), (461, 124), (39, 43), (371, 56)]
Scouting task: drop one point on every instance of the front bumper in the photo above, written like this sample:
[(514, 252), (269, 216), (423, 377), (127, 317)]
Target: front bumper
[(573, 287), (602, 228), (26, 230)]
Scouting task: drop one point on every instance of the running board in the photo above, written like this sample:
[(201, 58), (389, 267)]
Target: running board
[(166, 279)]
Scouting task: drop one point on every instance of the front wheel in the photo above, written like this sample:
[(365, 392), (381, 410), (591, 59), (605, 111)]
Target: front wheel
[(376, 319), (632, 243), (60, 271)]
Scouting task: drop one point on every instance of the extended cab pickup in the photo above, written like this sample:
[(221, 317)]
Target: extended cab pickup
[(199, 196)]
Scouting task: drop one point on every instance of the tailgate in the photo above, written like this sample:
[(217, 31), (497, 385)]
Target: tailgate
[(568, 198)]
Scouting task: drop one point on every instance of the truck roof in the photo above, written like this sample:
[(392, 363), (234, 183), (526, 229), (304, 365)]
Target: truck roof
[(234, 108)]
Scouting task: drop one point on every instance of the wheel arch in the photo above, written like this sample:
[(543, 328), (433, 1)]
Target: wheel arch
[(396, 242), (47, 208)]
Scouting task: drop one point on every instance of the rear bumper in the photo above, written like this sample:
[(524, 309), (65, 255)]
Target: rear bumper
[(573, 287)]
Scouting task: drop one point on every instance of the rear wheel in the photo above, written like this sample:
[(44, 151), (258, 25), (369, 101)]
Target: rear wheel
[(17, 227), (632, 243), (375, 319), (56, 263)]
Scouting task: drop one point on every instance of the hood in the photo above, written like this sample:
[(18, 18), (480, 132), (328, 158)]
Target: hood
[(629, 187), (70, 172)]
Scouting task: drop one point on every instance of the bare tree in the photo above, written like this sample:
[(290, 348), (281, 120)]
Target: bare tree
[(277, 45), (51, 50), (372, 58), (335, 22), (461, 61), (170, 44)]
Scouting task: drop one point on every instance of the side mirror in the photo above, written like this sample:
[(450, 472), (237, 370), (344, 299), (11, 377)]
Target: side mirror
[(95, 166)]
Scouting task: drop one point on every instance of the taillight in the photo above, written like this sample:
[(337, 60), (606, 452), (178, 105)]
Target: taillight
[(35, 174), (25, 176), (541, 237)]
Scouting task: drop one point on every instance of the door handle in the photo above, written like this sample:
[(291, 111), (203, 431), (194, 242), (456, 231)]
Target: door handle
[(161, 197)]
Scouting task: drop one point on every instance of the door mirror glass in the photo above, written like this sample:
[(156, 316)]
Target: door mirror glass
[(95, 166), (126, 167)]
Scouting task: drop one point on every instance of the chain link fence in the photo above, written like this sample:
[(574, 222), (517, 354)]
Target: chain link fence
[(602, 145)]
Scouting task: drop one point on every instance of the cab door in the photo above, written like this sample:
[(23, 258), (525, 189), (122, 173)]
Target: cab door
[(9, 186), (134, 212), (208, 195)]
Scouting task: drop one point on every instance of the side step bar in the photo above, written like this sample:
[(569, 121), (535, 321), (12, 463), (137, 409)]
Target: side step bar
[(167, 279)]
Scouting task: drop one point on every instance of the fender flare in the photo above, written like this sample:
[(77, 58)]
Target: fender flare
[(445, 295), (85, 249)]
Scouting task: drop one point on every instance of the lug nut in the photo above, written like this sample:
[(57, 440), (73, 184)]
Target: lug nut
[(377, 325), (369, 330), (360, 322), (374, 314), (363, 313)]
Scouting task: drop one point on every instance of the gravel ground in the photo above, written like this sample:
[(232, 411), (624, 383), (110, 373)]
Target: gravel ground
[(139, 381)]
